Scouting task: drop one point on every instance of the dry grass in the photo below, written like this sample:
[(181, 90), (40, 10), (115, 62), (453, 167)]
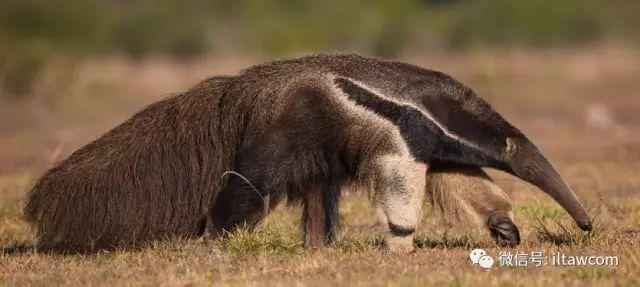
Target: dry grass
[(579, 106)]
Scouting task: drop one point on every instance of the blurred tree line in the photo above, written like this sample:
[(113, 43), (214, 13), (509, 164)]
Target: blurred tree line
[(34, 31)]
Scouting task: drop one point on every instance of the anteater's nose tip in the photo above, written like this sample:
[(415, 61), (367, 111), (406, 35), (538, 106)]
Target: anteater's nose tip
[(586, 225)]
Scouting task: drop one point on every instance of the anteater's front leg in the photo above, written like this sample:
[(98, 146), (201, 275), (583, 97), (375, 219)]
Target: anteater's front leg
[(320, 214), (396, 179), (399, 199)]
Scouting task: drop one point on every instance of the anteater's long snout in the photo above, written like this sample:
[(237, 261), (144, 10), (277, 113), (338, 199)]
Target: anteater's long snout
[(541, 173), (556, 187)]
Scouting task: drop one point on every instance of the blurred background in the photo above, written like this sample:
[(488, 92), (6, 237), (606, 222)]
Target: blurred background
[(567, 72), (35, 33)]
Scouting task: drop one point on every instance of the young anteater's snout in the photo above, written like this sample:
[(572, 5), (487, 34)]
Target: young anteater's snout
[(503, 229)]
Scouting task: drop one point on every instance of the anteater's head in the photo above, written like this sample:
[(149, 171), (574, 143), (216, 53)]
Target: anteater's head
[(471, 132), (524, 160)]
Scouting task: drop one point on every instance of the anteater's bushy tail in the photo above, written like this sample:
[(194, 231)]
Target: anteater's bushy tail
[(152, 177)]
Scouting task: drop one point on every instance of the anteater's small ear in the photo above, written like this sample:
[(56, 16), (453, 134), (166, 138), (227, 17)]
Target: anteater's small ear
[(511, 148)]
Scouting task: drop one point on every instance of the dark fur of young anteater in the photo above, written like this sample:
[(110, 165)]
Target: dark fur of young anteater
[(296, 129)]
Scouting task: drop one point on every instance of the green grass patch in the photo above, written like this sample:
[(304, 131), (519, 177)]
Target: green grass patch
[(246, 242)]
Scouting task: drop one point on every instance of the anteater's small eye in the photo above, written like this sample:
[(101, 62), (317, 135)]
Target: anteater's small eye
[(511, 146)]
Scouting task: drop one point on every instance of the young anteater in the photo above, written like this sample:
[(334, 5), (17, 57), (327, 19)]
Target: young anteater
[(469, 195)]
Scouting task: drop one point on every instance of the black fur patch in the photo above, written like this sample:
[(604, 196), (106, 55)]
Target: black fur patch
[(419, 133), (426, 141), (448, 111)]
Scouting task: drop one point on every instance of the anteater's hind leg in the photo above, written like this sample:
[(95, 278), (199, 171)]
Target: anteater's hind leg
[(239, 205), (320, 214)]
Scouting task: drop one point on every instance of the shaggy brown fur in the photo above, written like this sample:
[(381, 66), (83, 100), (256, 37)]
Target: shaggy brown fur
[(154, 175)]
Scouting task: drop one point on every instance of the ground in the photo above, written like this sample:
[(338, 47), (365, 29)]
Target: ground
[(579, 106)]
